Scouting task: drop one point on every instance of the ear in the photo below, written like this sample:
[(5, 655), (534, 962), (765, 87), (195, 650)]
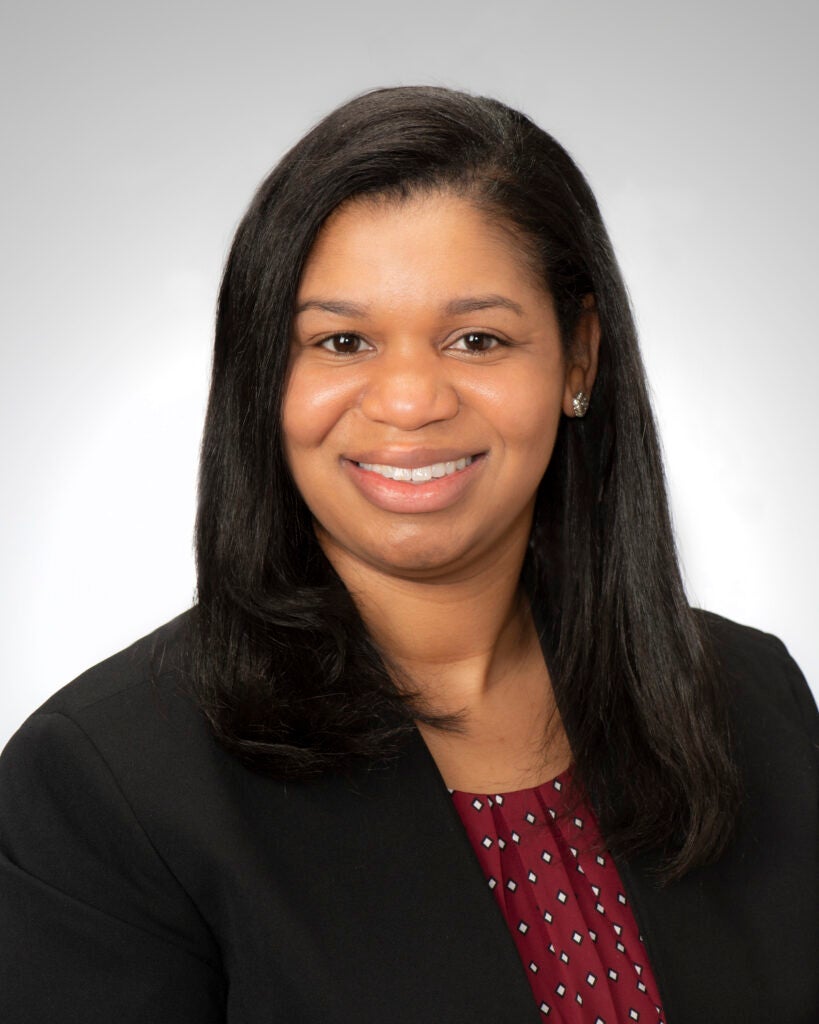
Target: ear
[(581, 360)]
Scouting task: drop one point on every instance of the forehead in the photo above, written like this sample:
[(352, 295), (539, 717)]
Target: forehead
[(439, 242)]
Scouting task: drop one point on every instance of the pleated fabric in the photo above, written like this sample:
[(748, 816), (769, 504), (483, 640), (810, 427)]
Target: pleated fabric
[(562, 898)]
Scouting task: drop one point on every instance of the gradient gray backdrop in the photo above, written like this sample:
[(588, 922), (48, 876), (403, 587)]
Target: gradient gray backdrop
[(133, 136)]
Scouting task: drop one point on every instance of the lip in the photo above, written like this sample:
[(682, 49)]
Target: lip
[(398, 496), (410, 458)]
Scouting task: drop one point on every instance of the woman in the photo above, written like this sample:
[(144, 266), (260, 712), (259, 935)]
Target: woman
[(466, 754)]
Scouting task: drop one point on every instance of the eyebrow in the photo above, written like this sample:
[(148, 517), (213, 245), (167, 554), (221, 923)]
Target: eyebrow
[(454, 307)]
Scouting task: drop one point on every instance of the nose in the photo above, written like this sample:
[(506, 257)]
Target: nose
[(409, 389)]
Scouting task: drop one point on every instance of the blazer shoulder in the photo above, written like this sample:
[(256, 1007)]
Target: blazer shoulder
[(138, 712), (92, 897), (761, 673), (154, 661), (121, 757)]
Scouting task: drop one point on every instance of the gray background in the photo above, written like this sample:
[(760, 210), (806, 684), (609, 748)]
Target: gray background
[(133, 136)]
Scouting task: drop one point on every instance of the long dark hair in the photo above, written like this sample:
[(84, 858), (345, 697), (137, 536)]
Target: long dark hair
[(284, 669)]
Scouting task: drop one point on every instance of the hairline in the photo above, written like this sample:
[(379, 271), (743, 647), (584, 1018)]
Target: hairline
[(471, 188)]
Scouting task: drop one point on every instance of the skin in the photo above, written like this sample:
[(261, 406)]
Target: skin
[(384, 368)]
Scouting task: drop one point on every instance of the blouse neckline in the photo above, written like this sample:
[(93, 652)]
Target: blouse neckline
[(562, 779)]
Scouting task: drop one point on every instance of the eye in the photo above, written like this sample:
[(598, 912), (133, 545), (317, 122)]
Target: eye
[(477, 342), (345, 344)]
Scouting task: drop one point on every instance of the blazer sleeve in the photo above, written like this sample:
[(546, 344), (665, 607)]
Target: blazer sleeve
[(94, 927)]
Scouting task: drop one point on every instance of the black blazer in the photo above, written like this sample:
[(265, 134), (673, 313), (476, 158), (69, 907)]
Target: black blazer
[(146, 876)]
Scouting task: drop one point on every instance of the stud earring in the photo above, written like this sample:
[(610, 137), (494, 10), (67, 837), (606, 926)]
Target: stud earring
[(580, 404)]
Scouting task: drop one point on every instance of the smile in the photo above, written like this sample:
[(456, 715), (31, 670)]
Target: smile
[(420, 474), (408, 489)]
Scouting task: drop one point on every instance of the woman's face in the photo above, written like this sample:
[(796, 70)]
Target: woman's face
[(426, 383)]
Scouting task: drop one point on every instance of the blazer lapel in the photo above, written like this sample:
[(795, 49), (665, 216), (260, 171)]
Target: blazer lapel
[(467, 963)]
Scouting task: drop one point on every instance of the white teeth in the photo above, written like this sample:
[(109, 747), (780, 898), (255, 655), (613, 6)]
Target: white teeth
[(421, 474)]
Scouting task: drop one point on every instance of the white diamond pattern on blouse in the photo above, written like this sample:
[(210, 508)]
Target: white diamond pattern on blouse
[(570, 882)]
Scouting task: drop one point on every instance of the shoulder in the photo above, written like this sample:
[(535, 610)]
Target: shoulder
[(91, 887), (154, 661), (125, 738), (88, 786), (757, 664), (129, 706), (772, 708), (745, 646)]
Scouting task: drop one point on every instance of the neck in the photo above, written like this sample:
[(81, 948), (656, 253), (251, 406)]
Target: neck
[(455, 636), (467, 645)]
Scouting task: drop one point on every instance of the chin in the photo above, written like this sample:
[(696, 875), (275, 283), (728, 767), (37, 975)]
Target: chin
[(405, 551), (423, 564)]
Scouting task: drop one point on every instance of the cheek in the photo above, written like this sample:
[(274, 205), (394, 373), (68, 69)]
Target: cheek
[(530, 448), (526, 412), (314, 403)]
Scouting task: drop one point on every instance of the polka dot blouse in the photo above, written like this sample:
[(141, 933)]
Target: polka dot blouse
[(564, 903)]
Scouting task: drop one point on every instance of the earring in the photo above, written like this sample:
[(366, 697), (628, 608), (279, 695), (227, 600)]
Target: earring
[(580, 404)]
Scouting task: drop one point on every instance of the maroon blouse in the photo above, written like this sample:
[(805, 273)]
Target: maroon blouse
[(564, 903)]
